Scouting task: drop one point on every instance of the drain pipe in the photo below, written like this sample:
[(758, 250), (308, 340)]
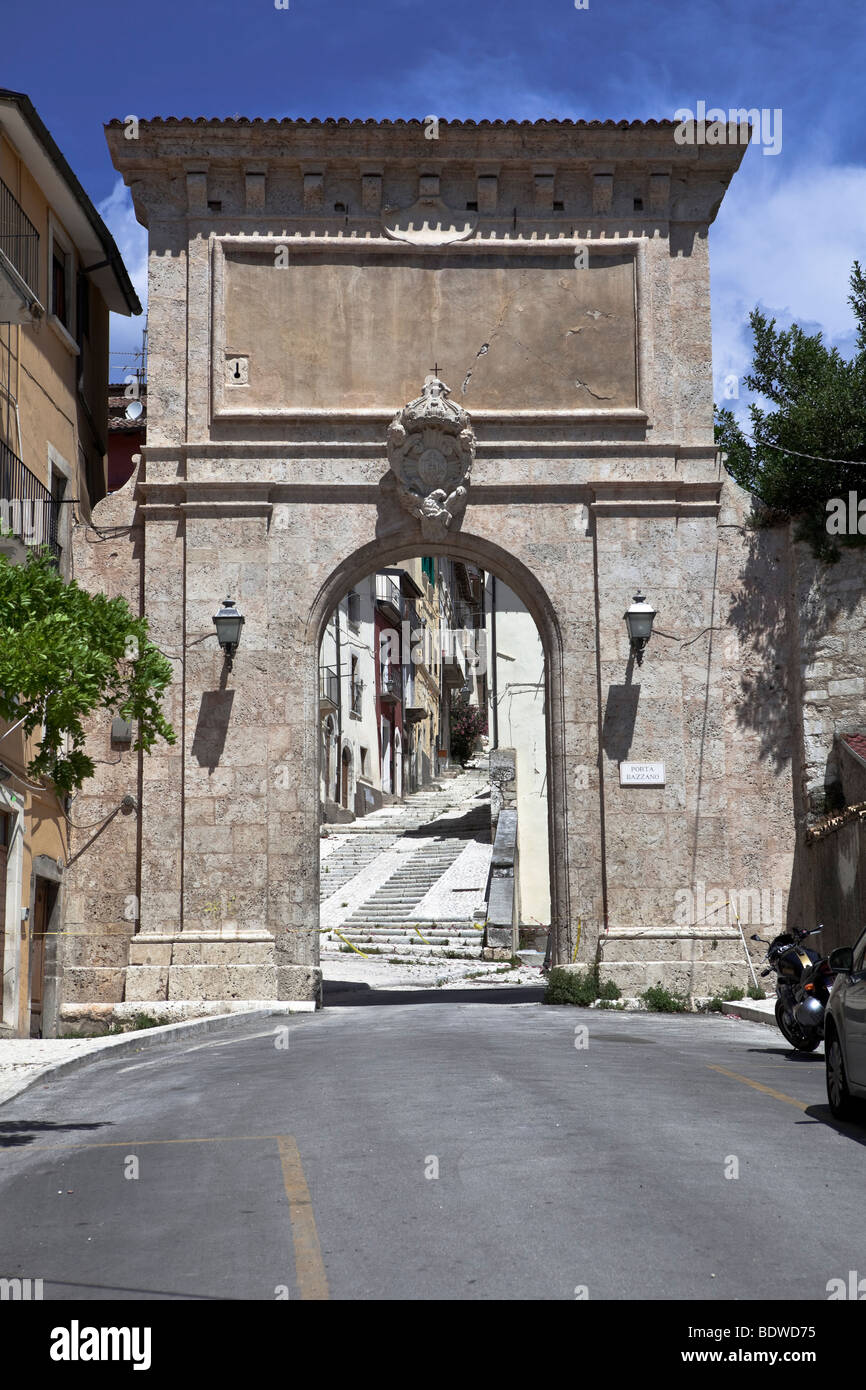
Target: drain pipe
[(338, 771), (494, 688)]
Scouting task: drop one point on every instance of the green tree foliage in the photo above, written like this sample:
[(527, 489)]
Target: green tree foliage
[(467, 722), (818, 402), (65, 653)]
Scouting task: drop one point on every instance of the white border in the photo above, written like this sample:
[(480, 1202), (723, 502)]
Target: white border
[(633, 246)]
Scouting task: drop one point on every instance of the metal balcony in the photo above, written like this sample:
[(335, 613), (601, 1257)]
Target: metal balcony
[(27, 508), (391, 692), (389, 598), (19, 262), (454, 657), (413, 709), (329, 690)]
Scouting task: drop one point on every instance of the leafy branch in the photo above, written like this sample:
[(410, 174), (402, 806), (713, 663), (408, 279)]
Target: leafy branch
[(65, 653), (811, 447)]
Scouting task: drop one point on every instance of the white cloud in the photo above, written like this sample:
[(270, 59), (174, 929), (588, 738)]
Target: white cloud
[(476, 85), (117, 212), (786, 244)]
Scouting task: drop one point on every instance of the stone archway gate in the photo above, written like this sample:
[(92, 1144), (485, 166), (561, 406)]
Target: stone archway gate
[(305, 280)]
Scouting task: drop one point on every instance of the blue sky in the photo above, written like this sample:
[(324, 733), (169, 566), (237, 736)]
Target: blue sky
[(789, 228)]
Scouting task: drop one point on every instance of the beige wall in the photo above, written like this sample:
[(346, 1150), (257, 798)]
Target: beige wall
[(45, 363), (287, 504), (521, 725), (41, 365), (427, 688), (346, 315)]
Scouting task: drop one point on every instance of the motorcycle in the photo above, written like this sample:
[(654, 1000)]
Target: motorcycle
[(803, 983)]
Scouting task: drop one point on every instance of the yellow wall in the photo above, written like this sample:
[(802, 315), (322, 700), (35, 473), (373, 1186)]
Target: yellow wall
[(41, 367), (427, 690), (44, 366)]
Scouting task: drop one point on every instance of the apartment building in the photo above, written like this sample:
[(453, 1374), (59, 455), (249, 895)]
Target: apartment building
[(394, 651), (518, 719), (61, 275)]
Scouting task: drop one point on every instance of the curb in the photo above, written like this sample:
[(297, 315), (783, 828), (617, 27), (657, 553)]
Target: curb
[(145, 1039), (751, 1011)]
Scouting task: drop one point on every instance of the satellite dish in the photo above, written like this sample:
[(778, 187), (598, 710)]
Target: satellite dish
[(134, 410)]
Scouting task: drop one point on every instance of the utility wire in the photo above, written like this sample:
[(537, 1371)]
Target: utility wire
[(816, 458)]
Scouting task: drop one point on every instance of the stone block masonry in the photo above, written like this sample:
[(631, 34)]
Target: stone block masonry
[(584, 466)]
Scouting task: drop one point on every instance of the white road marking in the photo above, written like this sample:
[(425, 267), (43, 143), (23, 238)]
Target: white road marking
[(227, 1042), (197, 1048)]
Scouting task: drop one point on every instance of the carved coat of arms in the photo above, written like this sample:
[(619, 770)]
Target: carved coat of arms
[(431, 447)]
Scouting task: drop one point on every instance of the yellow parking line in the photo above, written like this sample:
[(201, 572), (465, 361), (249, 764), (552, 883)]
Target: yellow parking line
[(768, 1090), (140, 1143), (309, 1265)]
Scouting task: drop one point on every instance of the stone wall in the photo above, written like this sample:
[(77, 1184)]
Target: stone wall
[(577, 496), (101, 883), (835, 862), (852, 770), (503, 784), (830, 603)]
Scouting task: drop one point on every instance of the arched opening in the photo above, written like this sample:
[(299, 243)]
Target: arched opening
[(345, 778), (328, 744), (377, 604)]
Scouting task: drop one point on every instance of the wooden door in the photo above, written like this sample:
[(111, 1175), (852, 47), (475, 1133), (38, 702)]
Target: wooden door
[(45, 893)]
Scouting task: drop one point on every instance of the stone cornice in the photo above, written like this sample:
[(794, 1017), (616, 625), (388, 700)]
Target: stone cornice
[(352, 448), (217, 172), (211, 496), (528, 143), (555, 451)]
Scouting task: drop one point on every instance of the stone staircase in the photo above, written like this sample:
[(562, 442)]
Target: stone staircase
[(347, 860), (421, 942), (443, 818), (419, 809)]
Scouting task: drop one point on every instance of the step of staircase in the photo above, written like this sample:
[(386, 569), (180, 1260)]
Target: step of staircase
[(407, 886), (347, 860), (434, 933), (443, 820), (417, 811), (408, 949)]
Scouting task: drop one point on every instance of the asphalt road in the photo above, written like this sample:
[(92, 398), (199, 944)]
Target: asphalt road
[(296, 1159)]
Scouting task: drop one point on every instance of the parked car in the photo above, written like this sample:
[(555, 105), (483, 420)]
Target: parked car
[(845, 1029)]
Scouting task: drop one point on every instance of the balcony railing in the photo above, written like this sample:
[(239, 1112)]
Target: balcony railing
[(392, 685), (329, 688), (27, 508), (453, 653), (19, 239), (388, 592)]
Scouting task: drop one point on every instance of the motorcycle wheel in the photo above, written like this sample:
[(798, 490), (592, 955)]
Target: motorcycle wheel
[(802, 1039)]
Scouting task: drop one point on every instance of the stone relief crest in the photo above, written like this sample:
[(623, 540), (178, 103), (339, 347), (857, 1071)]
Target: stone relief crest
[(431, 447)]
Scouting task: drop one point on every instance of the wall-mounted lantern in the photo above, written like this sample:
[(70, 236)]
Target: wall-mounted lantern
[(228, 623), (121, 730), (639, 621)]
